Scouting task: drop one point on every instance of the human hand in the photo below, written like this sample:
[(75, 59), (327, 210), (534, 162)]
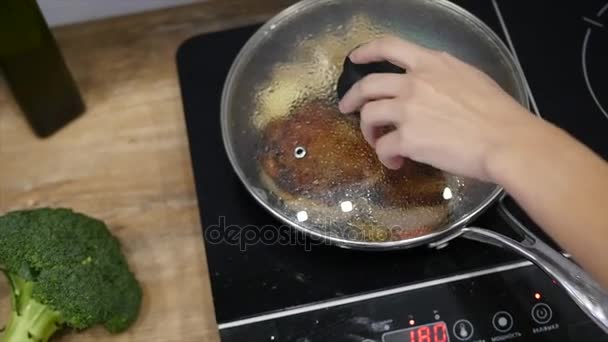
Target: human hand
[(447, 113)]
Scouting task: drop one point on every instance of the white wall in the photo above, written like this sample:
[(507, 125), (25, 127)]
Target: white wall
[(58, 12)]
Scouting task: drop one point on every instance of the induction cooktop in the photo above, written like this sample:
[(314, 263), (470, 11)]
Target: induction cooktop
[(271, 283)]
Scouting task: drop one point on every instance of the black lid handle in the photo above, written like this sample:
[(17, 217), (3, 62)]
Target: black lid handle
[(352, 73)]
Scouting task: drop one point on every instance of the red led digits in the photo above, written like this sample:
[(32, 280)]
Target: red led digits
[(441, 333), (424, 334), (436, 332)]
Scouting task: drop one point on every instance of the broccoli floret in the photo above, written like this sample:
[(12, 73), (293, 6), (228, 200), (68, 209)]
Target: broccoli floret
[(65, 269)]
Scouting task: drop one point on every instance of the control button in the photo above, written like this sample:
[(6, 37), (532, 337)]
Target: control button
[(502, 321), (541, 313), (463, 330)]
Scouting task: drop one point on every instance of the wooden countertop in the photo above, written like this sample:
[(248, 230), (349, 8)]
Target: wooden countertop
[(126, 161)]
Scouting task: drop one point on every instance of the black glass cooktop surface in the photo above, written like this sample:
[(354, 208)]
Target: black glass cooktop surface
[(258, 265), (563, 50)]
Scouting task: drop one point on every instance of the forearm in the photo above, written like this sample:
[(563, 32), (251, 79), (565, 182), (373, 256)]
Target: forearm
[(562, 185)]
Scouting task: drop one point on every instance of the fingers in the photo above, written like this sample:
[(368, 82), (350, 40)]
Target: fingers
[(377, 115), (374, 94), (402, 53), (388, 149), (372, 87), (386, 85)]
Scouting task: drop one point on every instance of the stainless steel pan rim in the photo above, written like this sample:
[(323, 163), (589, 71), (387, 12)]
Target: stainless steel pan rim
[(243, 57)]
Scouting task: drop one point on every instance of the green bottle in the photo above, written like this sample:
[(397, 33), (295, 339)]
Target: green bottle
[(34, 68)]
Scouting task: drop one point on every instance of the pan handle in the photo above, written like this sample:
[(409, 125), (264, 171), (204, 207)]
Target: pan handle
[(585, 291)]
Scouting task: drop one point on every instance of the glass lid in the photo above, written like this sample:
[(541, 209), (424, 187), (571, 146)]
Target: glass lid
[(307, 163)]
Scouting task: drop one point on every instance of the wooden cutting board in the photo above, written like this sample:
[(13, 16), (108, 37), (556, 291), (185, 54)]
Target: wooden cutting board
[(126, 161)]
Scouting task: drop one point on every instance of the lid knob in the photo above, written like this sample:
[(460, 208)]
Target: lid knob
[(352, 73)]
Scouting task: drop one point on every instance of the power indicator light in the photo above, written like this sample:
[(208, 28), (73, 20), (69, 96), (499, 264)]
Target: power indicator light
[(537, 296), (412, 322)]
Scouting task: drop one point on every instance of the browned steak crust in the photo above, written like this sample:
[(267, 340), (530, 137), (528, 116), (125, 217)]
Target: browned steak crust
[(338, 159)]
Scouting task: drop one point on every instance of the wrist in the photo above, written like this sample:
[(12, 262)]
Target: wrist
[(518, 146)]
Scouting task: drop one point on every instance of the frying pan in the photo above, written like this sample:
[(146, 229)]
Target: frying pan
[(308, 165)]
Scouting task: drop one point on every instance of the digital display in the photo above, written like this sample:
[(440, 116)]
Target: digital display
[(433, 332)]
